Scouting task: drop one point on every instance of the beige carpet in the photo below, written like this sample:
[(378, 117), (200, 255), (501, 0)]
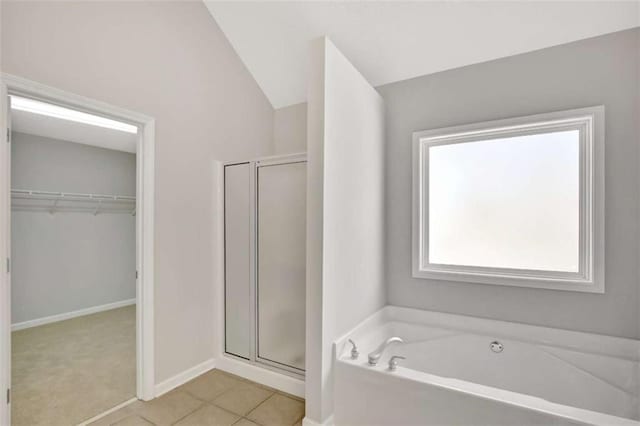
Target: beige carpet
[(69, 371)]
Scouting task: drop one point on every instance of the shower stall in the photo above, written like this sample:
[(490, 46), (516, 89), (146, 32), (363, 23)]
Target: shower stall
[(264, 257)]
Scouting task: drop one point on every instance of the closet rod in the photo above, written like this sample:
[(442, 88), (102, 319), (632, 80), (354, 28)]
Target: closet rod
[(100, 203), (69, 196)]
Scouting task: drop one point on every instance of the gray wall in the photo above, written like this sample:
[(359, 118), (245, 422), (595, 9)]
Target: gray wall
[(70, 261), (168, 60), (600, 71), (603, 70)]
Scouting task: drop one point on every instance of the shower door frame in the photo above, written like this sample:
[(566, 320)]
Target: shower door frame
[(256, 282), (254, 358)]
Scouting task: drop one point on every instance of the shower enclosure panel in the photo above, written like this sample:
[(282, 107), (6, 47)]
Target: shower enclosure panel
[(281, 263), (238, 259), (265, 262)]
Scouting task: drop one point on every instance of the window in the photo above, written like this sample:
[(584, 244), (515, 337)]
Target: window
[(512, 202)]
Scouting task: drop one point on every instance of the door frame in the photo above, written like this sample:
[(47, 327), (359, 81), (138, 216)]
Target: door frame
[(145, 195)]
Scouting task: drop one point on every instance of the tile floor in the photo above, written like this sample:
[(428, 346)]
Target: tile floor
[(215, 398)]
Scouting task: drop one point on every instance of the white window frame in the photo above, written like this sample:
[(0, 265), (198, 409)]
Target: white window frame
[(590, 278)]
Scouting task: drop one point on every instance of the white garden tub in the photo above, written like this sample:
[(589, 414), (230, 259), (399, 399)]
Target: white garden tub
[(451, 376)]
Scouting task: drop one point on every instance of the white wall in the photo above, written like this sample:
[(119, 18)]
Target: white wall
[(290, 129), (345, 218), (168, 60), (70, 261), (600, 71)]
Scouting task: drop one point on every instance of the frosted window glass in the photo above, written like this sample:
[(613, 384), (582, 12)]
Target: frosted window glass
[(506, 203)]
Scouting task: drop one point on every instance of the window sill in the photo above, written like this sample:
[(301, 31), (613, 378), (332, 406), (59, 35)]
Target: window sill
[(564, 284)]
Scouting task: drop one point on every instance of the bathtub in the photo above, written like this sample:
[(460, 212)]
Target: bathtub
[(454, 375)]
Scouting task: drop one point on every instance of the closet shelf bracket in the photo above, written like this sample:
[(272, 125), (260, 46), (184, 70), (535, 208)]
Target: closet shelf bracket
[(54, 202)]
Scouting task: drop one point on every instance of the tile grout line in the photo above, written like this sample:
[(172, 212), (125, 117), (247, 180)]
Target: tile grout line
[(276, 392), (244, 416), (234, 387), (202, 404), (182, 388), (241, 415), (205, 402), (148, 420), (256, 407), (211, 403), (224, 409)]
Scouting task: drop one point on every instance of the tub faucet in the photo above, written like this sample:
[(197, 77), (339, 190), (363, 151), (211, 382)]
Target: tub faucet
[(393, 363), (374, 356)]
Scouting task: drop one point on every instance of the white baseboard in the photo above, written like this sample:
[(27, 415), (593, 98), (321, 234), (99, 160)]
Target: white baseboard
[(308, 422), (184, 377), (282, 382), (68, 315), (109, 411)]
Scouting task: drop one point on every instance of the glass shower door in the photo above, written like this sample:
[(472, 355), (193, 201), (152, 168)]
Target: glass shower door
[(281, 264)]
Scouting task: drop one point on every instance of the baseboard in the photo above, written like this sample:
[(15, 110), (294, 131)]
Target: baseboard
[(68, 315), (308, 422), (106, 413), (282, 382), (184, 377)]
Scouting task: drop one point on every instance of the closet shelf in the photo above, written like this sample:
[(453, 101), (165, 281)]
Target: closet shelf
[(52, 202)]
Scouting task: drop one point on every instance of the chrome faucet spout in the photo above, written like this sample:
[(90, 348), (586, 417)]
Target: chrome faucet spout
[(374, 356)]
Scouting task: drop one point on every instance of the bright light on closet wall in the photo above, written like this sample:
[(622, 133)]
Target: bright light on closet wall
[(43, 108)]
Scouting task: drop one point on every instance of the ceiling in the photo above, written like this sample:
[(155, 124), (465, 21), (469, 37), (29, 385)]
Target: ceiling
[(71, 131), (395, 40)]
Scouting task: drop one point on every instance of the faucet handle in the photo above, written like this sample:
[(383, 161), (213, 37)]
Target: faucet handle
[(354, 350), (393, 364)]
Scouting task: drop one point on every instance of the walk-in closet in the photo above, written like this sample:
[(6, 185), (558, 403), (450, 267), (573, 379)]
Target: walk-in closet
[(73, 263)]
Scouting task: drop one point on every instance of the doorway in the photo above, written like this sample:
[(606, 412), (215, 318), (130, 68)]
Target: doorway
[(67, 221)]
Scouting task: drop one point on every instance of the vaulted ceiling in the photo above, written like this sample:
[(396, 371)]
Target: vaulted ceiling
[(395, 40)]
